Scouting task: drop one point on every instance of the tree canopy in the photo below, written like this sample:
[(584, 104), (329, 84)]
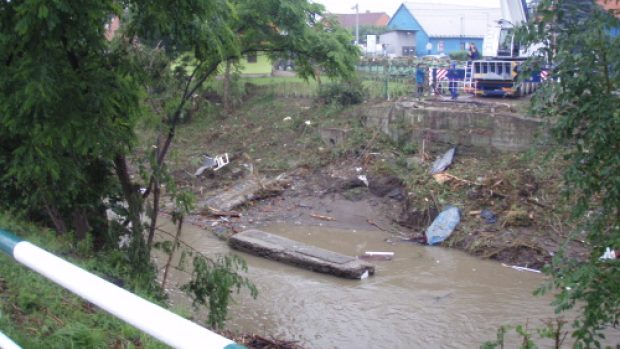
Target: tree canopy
[(70, 99), (583, 100), (64, 108)]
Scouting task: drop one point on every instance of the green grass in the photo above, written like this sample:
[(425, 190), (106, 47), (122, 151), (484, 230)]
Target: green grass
[(36, 313), (295, 86)]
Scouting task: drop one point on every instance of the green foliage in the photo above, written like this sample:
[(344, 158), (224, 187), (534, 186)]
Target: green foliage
[(70, 101), (583, 101), (213, 282), (64, 110), (409, 148), (499, 341), (36, 313), (552, 329), (343, 93), (291, 29), (459, 55), (368, 29)]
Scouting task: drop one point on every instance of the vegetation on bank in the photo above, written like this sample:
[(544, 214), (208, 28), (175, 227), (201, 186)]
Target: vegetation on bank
[(37, 313), (71, 102), (64, 164)]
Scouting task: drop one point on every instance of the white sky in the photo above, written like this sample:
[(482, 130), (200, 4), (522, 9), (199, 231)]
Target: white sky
[(390, 6)]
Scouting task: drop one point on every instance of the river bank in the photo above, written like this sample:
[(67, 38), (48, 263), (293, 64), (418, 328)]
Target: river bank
[(276, 136)]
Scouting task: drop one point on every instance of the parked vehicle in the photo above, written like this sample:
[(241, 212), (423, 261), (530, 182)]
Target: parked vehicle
[(499, 73)]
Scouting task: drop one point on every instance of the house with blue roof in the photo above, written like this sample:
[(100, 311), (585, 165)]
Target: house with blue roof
[(418, 29)]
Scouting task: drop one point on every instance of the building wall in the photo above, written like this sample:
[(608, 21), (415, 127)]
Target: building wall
[(403, 20), (261, 66), (111, 27), (394, 41)]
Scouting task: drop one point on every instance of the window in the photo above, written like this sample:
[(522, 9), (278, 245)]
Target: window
[(408, 50), (252, 58), (440, 46), (505, 42)]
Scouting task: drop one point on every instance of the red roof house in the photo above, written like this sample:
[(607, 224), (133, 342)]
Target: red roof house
[(347, 20)]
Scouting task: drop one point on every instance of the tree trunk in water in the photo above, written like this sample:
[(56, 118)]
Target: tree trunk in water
[(156, 195), (226, 96), (174, 247), (132, 196)]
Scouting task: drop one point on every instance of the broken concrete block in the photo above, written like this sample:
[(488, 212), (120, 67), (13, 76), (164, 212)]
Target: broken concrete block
[(333, 136), (288, 251)]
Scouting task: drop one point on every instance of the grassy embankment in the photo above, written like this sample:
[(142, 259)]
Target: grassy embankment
[(36, 313)]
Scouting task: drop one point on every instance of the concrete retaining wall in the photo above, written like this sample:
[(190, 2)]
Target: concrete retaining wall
[(479, 126)]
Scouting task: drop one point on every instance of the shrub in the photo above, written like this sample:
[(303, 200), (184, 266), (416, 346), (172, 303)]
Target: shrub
[(343, 93), (459, 55)]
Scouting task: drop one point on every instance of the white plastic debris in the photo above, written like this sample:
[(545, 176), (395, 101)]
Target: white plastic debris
[(124, 240), (214, 163), (308, 122), (373, 253), (609, 254), (377, 256), (363, 178), (516, 267), (288, 118), (364, 276)]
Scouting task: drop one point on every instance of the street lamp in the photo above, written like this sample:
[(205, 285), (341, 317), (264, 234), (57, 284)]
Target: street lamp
[(357, 23)]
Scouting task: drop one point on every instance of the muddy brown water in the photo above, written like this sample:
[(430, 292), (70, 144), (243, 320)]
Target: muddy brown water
[(426, 297)]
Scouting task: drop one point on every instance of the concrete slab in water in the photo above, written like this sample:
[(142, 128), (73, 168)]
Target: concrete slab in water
[(296, 253)]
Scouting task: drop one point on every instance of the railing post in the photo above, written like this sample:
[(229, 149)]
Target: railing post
[(7, 343), (159, 322)]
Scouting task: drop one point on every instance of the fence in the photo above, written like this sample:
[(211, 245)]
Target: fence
[(160, 323)]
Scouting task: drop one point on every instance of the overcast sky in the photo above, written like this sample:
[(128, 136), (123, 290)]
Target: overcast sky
[(390, 6)]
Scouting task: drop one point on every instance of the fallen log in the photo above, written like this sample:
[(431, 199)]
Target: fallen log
[(284, 250), (223, 213), (242, 192)]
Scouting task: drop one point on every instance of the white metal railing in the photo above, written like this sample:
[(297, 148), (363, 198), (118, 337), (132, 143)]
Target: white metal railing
[(159, 322), (442, 87)]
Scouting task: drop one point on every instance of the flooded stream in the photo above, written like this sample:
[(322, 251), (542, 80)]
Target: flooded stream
[(426, 297)]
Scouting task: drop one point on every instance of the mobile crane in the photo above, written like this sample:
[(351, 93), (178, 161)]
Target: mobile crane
[(498, 73)]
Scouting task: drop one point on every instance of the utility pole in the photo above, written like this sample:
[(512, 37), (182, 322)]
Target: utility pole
[(357, 23)]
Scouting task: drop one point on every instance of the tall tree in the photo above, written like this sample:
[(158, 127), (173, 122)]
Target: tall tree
[(288, 29), (69, 99), (64, 110), (583, 100)]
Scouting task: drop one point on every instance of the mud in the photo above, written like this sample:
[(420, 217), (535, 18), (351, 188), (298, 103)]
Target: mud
[(335, 197)]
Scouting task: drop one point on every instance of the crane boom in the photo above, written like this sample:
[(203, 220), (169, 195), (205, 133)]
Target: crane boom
[(514, 11)]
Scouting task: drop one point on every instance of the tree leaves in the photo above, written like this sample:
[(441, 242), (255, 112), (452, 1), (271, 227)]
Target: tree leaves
[(583, 101)]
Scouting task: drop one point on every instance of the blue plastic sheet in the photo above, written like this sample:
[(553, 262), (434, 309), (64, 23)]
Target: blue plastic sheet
[(443, 225)]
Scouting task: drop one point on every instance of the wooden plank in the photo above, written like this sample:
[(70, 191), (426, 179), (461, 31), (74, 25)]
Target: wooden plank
[(288, 251)]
